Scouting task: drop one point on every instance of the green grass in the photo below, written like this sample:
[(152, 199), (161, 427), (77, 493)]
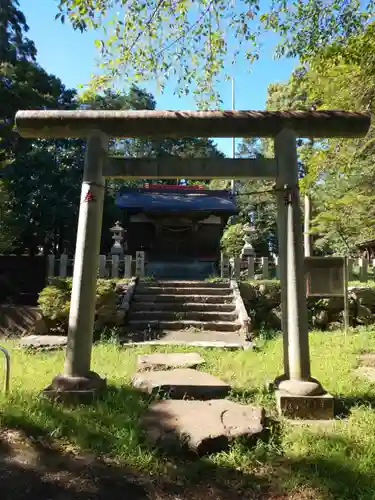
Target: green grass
[(334, 463)]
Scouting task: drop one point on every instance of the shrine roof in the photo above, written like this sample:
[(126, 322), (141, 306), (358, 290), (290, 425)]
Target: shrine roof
[(176, 200)]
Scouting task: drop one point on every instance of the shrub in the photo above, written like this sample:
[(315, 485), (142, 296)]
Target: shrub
[(54, 299), (54, 303)]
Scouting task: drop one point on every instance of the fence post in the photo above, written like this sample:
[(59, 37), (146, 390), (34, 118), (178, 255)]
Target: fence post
[(102, 266), (115, 263), (250, 268), (63, 271), (51, 265), (236, 263), (277, 268), (140, 263), (265, 270), (224, 266), (350, 269), (363, 269), (127, 266)]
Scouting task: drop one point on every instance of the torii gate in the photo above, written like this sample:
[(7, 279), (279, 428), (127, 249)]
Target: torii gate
[(284, 127)]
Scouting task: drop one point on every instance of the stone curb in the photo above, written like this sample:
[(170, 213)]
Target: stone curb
[(241, 309), (124, 306)]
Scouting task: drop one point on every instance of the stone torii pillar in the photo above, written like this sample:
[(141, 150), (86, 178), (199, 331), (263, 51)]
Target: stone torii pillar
[(296, 388), (298, 395), (86, 260), (77, 375)]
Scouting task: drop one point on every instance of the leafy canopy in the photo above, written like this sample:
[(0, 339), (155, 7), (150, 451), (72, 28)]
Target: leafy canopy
[(193, 42), (40, 180), (339, 174)]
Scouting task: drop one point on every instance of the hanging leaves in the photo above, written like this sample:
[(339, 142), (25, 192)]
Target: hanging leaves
[(194, 43)]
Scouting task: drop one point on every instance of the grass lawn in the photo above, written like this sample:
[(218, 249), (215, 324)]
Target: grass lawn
[(296, 462)]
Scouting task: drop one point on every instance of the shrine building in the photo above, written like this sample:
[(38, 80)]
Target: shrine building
[(178, 227)]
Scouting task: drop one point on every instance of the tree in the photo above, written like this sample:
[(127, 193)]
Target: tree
[(256, 204), (340, 172), (232, 240), (14, 46), (41, 180), (194, 42), (256, 201), (23, 84), (294, 95)]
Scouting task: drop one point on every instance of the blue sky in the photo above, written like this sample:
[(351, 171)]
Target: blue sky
[(72, 56)]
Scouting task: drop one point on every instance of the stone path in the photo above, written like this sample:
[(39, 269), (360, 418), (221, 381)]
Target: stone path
[(43, 342), (367, 359), (196, 417), (366, 366)]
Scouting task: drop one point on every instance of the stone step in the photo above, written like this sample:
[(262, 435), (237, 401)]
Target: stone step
[(173, 424), (183, 315), (148, 289), (182, 306), (180, 383), (166, 297), (184, 284), (168, 361), (177, 338), (144, 324)]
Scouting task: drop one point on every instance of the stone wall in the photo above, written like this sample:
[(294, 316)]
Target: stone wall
[(262, 301)]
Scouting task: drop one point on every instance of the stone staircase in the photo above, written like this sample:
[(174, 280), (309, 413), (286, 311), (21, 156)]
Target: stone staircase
[(179, 305)]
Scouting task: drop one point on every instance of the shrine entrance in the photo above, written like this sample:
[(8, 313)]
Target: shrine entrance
[(176, 239), (296, 383)]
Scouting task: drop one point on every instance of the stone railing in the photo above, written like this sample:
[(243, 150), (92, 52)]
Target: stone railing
[(263, 268), (112, 266), (262, 302)]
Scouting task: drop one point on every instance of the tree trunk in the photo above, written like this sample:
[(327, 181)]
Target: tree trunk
[(306, 229)]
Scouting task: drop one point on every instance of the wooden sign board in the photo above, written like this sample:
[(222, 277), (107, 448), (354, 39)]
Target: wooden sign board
[(325, 276)]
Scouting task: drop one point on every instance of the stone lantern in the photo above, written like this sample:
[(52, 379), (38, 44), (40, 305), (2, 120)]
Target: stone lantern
[(118, 232), (247, 249)]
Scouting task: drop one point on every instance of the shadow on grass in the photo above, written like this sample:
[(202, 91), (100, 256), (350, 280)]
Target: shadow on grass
[(37, 470), (344, 405), (332, 468), (108, 428), (35, 461)]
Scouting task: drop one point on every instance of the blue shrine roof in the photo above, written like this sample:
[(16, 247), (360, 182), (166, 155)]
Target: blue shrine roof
[(176, 200)]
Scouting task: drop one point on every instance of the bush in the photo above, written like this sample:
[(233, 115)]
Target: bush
[(54, 303), (54, 300)]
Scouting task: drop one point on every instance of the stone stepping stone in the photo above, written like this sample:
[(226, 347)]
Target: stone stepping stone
[(201, 426), (43, 342), (367, 372), (161, 361), (367, 359), (181, 383)]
